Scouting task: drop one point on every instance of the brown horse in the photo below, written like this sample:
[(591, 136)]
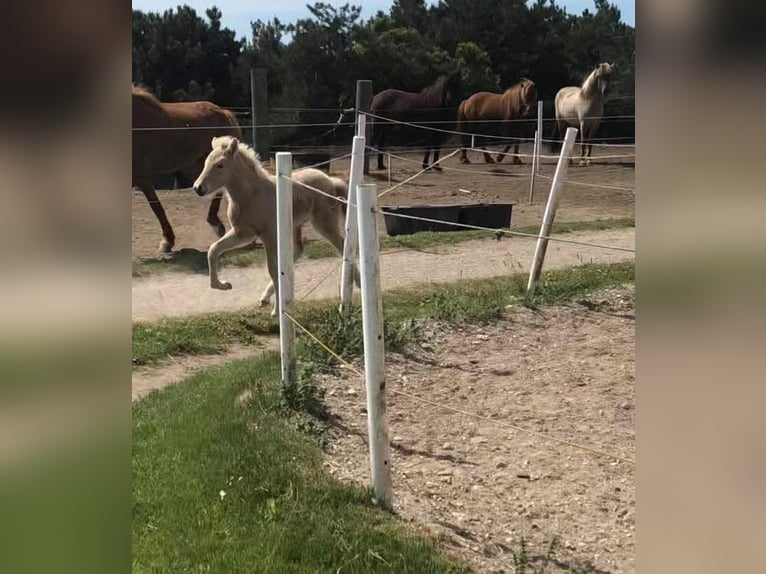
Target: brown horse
[(163, 144), (431, 104), (507, 108)]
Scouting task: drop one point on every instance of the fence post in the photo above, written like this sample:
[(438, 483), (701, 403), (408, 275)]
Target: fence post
[(535, 152), (550, 209), (285, 265), (374, 346), (539, 136), (259, 104), (363, 104), (351, 239)]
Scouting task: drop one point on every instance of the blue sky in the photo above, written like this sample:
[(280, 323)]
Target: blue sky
[(237, 14)]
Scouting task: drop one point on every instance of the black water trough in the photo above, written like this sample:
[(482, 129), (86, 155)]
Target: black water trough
[(494, 216)]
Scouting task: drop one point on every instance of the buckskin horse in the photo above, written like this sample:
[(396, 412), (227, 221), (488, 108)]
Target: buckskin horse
[(488, 113), (582, 107), (165, 142), (431, 104)]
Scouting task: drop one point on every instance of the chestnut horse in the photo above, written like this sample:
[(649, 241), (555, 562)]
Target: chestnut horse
[(431, 104), (505, 109), (158, 148)]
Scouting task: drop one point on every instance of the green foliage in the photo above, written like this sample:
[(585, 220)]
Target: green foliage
[(315, 61)]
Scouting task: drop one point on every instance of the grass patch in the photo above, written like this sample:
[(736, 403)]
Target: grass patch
[(220, 487), (472, 300), (194, 261)]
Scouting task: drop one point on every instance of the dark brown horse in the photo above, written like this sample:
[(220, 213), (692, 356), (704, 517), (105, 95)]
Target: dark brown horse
[(431, 104), (158, 148), (506, 109)]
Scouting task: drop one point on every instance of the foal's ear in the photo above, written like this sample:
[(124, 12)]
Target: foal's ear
[(233, 146)]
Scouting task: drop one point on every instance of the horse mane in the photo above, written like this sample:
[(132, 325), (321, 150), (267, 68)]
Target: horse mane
[(589, 84), (438, 86), (247, 153), (143, 92)]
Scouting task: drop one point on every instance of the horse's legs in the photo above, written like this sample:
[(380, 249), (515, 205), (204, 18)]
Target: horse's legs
[(501, 155), (435, 166), (380, 144), (436, 151), (487, 157), (231, 240), (297, 251), (191, 173), (269, 241), (516, 158), (582, 144), (168, 237), (326, 224), (212, 215), (465, 139)]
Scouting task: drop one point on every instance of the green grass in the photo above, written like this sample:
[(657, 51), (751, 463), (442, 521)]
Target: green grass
[(464, 301), (194, 261), (220, 487)]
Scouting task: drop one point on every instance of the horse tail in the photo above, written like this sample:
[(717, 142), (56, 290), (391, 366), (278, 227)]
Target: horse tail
[(236, 130), (461, 121)]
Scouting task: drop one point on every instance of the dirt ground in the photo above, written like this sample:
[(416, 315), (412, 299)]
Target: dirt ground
[(565, 371), (182, 294), (479, 182)]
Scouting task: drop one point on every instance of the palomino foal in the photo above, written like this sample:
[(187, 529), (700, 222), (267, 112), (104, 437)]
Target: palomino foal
[(252, 208)]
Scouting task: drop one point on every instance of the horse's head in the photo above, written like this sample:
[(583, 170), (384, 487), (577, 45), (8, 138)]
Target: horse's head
[(218, 166), (602, 74), (528, 95), (451, 86)]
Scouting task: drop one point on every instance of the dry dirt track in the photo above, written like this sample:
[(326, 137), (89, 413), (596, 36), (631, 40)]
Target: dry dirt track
[(183, 294)]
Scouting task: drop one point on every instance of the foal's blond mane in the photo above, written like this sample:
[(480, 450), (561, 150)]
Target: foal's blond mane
[(245, 151)]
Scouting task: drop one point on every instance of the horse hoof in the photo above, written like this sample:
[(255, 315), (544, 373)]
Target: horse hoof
[(263, 302), (464, 160), (437, 168), (223, 286), (489, 160), (165, 246), (587, 162), (582, 163)]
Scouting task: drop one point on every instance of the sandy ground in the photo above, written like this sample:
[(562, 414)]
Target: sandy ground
[(566, 371), (180, 294), (475, 183), (176, 369)]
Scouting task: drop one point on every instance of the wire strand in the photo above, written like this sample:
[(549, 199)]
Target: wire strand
[(349, 366)]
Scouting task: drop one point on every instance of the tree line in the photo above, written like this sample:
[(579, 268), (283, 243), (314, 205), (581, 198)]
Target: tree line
[(314, 63)]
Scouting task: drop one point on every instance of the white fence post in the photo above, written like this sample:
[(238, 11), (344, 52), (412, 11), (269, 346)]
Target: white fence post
[(285, 265), (539, 135), (361, 125), (374, 345), (535, 152), (351, 240), (550, 209)]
